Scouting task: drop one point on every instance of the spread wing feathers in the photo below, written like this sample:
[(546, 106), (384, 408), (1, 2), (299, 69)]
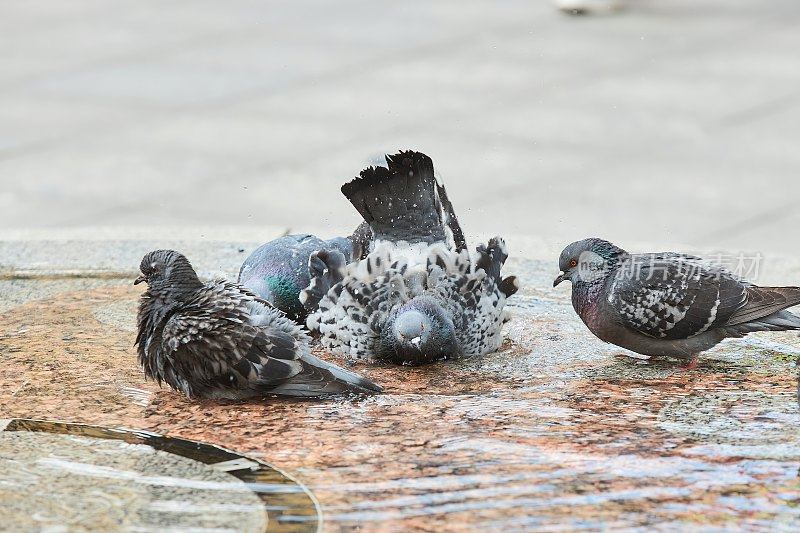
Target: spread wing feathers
[(671, 296), (476, 294), (326, 269), (234, 345), (491, 259), (353, 313), (400, 201), (350, 315)]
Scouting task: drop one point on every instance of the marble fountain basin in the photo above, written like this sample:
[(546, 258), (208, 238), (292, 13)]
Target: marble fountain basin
[(557, 431)]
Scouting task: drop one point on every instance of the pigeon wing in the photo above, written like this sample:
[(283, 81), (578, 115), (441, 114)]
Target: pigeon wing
[(241, 361), (474, 293), (351, 314), (230, 355), (669, 296)]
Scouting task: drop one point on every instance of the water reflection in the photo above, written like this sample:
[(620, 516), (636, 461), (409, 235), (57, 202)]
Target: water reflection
[(85, 477), (554, 432)]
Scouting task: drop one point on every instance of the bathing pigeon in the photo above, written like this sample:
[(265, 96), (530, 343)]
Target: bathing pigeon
[(278, 270), (419, 296), (219, 340), (668, 304), (385, 308)]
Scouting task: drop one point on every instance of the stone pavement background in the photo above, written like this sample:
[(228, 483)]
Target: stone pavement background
[(674, 122)]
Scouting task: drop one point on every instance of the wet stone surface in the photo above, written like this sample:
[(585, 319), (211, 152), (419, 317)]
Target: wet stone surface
[(69, 483), (557, 431)]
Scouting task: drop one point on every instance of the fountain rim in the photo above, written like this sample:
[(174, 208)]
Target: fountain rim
[(202, 452)]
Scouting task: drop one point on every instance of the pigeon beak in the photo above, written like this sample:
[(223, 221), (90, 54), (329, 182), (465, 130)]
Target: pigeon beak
[(558, 280), (140, 279)]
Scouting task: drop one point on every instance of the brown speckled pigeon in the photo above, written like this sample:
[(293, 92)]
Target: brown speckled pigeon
[(668, 304), (219, 340)]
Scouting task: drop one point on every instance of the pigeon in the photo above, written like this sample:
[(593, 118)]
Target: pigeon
[(219, 340), (668, 304), (418, 296), (278, 270)]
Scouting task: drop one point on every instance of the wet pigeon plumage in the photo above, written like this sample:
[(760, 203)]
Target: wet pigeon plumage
[(419, 295), (219, 340), (668, 304), (278, 270), (404, 204)]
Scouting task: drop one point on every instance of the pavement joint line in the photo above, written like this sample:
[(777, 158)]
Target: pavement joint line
[(760, 111), (56, 274)]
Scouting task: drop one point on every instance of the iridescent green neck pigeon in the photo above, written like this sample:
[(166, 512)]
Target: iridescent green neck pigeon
[(219, 340), (668, 304), (278, 270)]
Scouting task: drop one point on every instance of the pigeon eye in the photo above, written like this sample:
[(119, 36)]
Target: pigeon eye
[(573, 263)]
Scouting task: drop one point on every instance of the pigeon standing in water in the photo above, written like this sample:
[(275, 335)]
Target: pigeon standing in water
[(278, 270), (418, 296), (218, 340), (668, 304)]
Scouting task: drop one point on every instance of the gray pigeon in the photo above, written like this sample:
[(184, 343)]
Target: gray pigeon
[(668, 304), (418, 296), (278, 270), (219, 340)]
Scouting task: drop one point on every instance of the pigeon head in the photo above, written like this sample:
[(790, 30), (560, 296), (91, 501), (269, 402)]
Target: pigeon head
[(588, 261), (168, 272), (421, 332)]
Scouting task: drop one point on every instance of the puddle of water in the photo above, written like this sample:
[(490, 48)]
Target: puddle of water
[(91, 478), (80, 482)]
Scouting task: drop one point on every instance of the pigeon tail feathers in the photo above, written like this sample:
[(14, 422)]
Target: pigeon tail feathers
[(348, 381), (780, 321), (402, 201), (764, 302)]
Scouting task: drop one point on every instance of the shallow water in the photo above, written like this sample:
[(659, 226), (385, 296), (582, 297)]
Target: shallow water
[(64, 482), (60, 476), (558, 431)]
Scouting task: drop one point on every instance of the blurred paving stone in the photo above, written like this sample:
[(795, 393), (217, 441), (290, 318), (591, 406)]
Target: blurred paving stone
[(670, 122)]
